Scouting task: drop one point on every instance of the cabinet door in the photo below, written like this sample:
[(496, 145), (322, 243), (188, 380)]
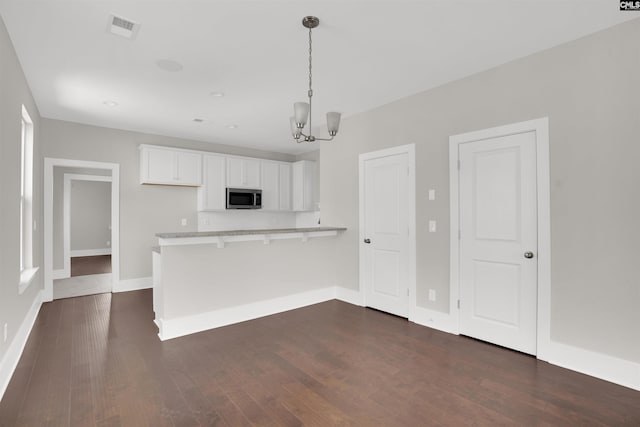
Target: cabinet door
[(270, 186), (167, 166), (251, 172), (235, 175), (285, 186), (212, 194), (297, 182), (243, 173), (189, 168), (302, 185), (157, 166)]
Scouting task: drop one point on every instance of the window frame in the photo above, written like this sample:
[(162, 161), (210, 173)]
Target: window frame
[(27, 269)]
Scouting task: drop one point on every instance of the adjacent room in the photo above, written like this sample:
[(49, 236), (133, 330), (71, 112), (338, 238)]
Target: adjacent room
[(287, 213)]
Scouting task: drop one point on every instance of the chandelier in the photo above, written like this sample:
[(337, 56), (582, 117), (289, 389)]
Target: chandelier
[(302, 110)]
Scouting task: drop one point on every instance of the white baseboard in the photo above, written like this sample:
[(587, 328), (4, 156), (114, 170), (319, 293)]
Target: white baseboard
[(434, 319), (349, 295), (594, 364), (133, 284), (60, 274), (90, 252), (12, 356), (173, 328)]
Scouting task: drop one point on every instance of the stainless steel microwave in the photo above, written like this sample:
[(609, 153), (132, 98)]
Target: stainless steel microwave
[(244, 198)]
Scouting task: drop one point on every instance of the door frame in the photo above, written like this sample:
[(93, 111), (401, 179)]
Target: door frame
[(409, 150), (541, 128), (49, 164)]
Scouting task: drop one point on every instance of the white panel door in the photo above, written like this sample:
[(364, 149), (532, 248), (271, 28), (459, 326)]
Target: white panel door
[(270, 186), (386, 244), (498, 240)]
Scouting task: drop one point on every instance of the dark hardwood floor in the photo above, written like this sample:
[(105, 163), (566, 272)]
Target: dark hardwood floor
[(96, 361), (85, 265)]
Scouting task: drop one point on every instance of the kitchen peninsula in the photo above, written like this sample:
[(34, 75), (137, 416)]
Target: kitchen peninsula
[(204, 280)]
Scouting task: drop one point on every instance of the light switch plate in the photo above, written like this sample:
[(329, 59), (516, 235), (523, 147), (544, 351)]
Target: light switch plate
[(432, 226), (183, 222), (432, 294), (432, 194)]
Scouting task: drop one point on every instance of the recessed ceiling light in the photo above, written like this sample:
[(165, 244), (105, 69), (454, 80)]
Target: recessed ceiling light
[(217, 94), (169, 65), (110, 103), (198, 120), (232, 126)]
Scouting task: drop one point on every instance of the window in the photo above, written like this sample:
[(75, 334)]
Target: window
[(27, 271)]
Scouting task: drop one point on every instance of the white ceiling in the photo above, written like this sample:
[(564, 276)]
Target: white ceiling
[(366, 53)]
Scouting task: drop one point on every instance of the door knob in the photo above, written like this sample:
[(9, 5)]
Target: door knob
[(367, 241), (528, 255)]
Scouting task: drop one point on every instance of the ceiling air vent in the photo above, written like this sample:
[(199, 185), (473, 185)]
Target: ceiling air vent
[(123, 27)]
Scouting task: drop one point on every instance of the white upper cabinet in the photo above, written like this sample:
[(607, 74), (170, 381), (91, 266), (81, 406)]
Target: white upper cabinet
[(285, 186), (284, 170), (170, 166), (243, 172), (212, 194), (303, 184), (270, 186), (189, 167), (276, 186)]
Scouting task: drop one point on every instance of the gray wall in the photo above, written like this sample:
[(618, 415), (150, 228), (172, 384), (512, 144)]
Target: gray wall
[(14, 92), (58, 208), (144, 209), (588, 90), (90, 215)]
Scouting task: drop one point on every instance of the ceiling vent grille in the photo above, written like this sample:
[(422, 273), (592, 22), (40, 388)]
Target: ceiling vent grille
[(122, 27)]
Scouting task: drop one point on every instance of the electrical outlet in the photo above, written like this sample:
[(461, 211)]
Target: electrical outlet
[(432, 294), (6, 331), (108, 243), (183, 222)]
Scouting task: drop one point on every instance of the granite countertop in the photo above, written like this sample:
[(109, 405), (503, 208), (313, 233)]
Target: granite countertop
[(246, 232)]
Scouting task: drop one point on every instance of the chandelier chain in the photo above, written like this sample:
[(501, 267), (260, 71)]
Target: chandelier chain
[(310, 50)]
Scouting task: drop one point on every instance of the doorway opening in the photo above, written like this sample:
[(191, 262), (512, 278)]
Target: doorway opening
[(85, 225), (81, 228)]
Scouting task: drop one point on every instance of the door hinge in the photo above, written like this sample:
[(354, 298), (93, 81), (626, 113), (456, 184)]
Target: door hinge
[(459, 234), (458, 304), (407, 291), (408, 172), (459, 164)]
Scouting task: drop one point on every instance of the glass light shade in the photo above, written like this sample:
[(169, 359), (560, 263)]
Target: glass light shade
[(294, 129), (301, 110), (333, 123)]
